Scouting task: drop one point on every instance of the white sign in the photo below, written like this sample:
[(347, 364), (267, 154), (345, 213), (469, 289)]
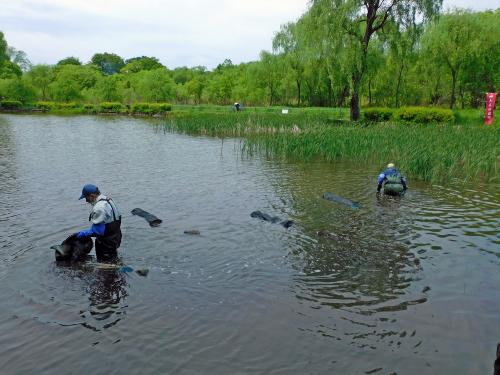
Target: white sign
[(284, 111)]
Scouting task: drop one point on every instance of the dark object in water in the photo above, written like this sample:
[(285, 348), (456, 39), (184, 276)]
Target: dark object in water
[(496, 364), (271, 219), (192, 231), (73, 249), (337, 198), (142, 272), (151, 219)]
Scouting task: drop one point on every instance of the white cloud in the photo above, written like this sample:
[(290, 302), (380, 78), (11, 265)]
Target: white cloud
[(188, 32)]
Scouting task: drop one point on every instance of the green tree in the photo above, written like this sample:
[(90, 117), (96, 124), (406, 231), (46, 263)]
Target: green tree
[(71, 80), (109, 88), (19, 58), (108, 63), (17, 89), (154, 85), (288, 42), (195, 88), (69, 61), (359, 21), (449, 42), (10, 70), (137, 64), (270, 74), (3, 50), (40, 77)]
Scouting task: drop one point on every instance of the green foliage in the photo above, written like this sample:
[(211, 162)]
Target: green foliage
[(109, 88), (90, 108), (45, 106), (69, 61), (10, 70), (151, 108), (114, 107), (154, 85), (10, 104), (40, 77), (69, 105), (108, 63), (430, 153), (324, 59), (137, 64), (3, 50), (71, 80), (17, 89), (424, 115), (378, 114)]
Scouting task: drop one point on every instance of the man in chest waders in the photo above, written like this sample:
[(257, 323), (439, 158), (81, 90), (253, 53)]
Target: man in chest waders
[(106, 222), (392, 181)]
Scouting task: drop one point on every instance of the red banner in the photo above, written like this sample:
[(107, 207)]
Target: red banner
[(491, 98)]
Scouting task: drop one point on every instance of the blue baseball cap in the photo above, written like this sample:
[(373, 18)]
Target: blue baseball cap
[(88, 189)]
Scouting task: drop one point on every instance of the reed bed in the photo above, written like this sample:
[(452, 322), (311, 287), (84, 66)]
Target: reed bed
[(432, 152)]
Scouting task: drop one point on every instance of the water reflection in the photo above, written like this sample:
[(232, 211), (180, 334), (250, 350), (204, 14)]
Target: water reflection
[(403, 284), (107, 291), (349, 259)]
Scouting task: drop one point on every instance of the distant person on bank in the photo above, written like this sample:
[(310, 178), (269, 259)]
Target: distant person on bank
[(392, 181), (106, 223)]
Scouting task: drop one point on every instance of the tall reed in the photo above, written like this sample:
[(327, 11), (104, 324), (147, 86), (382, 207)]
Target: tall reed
[(431, 152)]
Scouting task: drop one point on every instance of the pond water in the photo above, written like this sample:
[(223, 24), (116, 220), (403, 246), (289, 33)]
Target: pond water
[(399, 286)]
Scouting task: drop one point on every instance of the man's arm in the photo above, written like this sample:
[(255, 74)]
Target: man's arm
[(98, 225), (95, 229), (381, 178)]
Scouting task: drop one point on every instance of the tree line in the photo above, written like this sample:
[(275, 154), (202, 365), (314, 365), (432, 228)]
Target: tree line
[(339, 53)]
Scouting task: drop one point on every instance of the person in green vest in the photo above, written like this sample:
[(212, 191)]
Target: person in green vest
[(392, 181)]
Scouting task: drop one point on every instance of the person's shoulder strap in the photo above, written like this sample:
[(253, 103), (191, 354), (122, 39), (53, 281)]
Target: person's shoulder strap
[(110, 205)]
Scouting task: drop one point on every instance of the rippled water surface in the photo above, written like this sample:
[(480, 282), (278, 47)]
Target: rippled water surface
[(400, 286)]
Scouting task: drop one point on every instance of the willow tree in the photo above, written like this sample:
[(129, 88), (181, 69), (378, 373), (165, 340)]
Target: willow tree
[(288, 42), (357, 21)]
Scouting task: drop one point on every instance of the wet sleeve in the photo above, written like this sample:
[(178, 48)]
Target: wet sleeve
[(98, 228), (403, 182), (380, 179), (98, 215)]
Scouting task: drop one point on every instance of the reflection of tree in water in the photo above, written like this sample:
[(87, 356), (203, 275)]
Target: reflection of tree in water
[(348, 258)]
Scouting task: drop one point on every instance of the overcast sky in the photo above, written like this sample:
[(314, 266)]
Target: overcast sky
[(186, 32)]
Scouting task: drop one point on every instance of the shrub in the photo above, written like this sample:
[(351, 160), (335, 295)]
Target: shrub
[(45, 106), (424, 115), (151, 108), (89, 108), (378, 114), (160, 107), (110, 107), (140, 108), (10, 104), (69, 105)]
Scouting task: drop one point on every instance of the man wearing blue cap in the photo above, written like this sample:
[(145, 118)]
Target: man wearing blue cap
[(106, 222)]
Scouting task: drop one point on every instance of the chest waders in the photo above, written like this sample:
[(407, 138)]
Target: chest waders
[(393, 185), (106, 245)]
